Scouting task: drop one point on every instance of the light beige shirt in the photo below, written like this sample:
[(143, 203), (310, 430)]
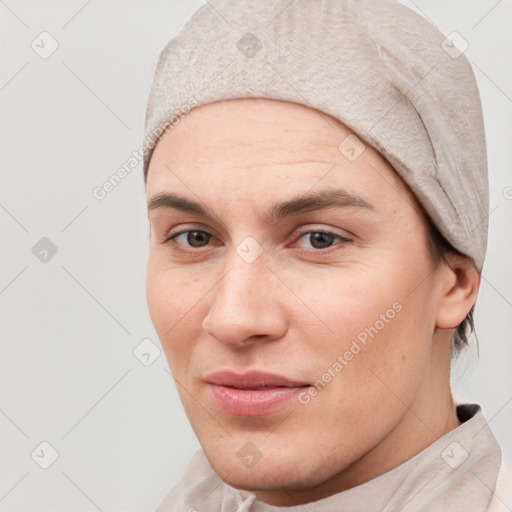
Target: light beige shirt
[(458, 472)]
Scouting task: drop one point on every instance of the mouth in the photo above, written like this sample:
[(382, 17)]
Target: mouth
[(253, 393)]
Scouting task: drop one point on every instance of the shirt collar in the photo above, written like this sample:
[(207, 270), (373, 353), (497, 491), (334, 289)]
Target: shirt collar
[(456, 472)]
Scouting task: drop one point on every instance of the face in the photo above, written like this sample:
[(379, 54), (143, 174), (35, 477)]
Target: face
[(295, 301)]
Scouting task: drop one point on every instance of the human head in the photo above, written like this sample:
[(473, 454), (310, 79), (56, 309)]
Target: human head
[(378, 300), (218, 310)]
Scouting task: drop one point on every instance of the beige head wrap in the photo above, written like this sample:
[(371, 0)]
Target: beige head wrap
[(377, 66)]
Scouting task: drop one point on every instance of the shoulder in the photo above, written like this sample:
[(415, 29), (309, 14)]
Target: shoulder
[(502, 499), (200, 488)]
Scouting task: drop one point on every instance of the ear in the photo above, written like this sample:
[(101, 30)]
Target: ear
[(460, 285)]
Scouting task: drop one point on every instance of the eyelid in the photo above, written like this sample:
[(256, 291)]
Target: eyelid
[(193, 227), (327, 231)]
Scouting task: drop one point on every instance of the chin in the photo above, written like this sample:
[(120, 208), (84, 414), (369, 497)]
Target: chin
[(277, 470), (266, 479)]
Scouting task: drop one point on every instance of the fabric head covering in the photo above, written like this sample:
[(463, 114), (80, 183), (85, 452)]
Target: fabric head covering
[(378, 67)]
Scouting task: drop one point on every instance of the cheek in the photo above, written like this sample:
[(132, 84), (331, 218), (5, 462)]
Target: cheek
[(174, 304), (368, 370), (346, 304), (369, 325)]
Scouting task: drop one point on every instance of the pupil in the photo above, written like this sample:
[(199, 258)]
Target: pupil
[(196, 236), (324, 239)]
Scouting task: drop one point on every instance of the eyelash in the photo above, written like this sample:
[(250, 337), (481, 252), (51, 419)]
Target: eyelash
[(171, 240)]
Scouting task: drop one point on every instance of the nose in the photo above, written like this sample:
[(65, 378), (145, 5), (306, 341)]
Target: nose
[(246, 308)]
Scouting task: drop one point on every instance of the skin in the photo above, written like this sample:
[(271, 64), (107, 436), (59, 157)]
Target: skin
[(300, 305)]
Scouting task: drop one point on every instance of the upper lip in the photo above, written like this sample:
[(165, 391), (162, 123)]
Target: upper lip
[(250, 380)]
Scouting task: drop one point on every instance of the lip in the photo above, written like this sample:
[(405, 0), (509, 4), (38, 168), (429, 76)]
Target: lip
[(251, 379), (253, 393)]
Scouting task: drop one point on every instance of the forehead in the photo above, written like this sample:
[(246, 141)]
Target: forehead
[(267, 130), (266, 147)]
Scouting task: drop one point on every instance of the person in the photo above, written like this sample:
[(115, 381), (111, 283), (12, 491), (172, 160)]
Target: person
[(317, 192)]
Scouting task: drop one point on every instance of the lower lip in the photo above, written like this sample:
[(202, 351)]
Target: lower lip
[(252, 402)]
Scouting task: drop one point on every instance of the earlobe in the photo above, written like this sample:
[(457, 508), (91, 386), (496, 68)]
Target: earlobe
[(460, 290)]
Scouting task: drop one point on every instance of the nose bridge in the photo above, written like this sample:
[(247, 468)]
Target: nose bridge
[(245, 284), (244, 303)]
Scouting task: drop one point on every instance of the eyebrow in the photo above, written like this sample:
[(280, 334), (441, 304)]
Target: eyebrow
[(301, 204)]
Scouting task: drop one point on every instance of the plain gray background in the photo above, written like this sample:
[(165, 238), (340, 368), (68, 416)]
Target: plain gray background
[(70, 323)]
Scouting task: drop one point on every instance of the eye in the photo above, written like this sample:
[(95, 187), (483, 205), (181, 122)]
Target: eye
[(320, 240), (195, 238), (192, 238)]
